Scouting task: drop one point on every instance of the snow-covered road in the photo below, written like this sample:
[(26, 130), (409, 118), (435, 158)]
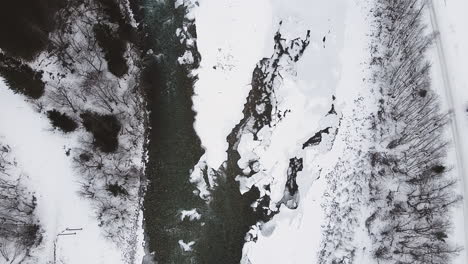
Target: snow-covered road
[(448, 20)]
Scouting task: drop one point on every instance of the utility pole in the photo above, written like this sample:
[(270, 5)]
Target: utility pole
[(66, 232)]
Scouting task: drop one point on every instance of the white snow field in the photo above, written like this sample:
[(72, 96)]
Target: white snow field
[(40, 153)]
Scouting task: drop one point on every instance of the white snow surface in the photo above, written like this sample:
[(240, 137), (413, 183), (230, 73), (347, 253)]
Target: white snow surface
[(191, 215), (186, 246), (40, 153)]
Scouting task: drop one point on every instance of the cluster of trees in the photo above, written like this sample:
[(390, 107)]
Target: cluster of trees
[(109, 30), (25, 25), (61, 121), (411, 190), (111, 181), (97, 90), (398, 180), (20, 231), (105, 130), (21, 78), (113, 47), (25, 33), (116, 15), (86, 81)]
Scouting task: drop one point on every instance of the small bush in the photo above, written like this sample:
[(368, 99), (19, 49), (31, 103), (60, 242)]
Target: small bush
[(31, 235), (105, 130), (115, 189), (61, 121), (21, 78), (113, 48), (438, 168), (85, 157)]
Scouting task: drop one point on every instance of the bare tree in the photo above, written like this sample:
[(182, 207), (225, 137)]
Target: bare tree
[(410, 186), (19, 229)]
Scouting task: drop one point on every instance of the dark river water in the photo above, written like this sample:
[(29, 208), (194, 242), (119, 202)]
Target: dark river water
[(174, 148)]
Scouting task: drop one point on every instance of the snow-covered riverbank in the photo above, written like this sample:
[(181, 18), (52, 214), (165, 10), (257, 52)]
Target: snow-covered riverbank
[(40, 153)]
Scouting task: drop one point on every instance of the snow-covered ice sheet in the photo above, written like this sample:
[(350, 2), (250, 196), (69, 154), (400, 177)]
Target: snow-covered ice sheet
[(40, 153), (232, 36), (333, 65)]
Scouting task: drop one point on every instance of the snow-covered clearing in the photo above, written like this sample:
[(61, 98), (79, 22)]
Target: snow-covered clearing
[(40, 153)]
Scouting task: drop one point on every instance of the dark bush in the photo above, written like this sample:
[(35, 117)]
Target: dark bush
[(31, 235), (422, 93), (116, 189), (105, 130), (381, 253), (128, 32), (21, 78), (438, 168), (25, 25), (85, 157), (113, 48), (61, 121), (112, 9)]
